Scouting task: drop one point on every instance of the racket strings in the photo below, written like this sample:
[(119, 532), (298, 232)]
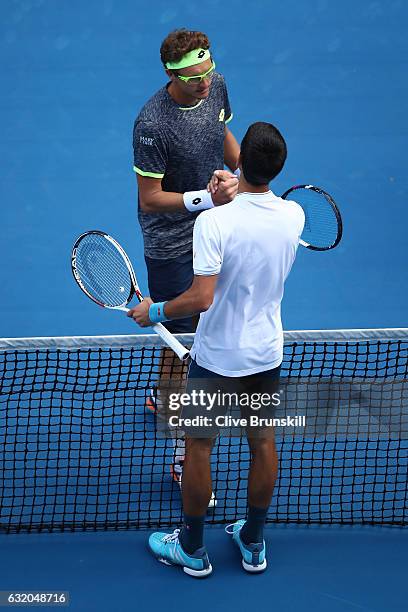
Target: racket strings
[(103, 270), (321, 224)]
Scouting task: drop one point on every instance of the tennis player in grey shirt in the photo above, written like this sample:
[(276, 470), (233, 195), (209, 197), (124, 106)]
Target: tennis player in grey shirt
[(180, 139)]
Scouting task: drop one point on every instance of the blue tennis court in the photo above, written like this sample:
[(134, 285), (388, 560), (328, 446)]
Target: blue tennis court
[(74, 75)]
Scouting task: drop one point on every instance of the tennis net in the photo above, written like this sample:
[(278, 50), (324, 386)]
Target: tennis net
[(79, 452)]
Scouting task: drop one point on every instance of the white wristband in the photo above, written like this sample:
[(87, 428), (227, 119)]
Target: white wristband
[(197, 200)]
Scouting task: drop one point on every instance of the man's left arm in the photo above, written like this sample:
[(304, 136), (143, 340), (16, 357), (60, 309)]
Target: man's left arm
[(198, 298), (231, 150)]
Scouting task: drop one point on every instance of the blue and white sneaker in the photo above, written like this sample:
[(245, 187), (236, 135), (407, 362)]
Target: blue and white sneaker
[(167, 549), (253, 555)]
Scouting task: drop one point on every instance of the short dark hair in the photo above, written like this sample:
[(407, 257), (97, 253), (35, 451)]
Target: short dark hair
[(263, 153), (179, 42)]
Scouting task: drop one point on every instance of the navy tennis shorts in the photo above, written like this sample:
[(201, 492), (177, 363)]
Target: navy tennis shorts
[(246, 390), (168, 278)]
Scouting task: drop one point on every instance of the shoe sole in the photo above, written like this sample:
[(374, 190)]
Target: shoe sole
[(254, 569), (198, 573), (188, 570)]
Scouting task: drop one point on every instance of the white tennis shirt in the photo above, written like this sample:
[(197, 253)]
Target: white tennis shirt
[(251, 244)]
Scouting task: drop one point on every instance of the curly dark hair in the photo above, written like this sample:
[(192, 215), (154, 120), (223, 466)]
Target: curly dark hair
[(180, 42)]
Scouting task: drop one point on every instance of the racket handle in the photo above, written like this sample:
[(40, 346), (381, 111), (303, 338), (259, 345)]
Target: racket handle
[(180, 350)]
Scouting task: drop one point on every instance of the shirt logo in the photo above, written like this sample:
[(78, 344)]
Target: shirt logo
[(221, 116), (146, 141)]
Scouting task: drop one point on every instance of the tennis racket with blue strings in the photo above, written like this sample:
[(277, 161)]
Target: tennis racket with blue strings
[(323, 224)]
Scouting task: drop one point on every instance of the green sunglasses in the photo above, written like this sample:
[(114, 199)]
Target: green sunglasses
[(198, 78)]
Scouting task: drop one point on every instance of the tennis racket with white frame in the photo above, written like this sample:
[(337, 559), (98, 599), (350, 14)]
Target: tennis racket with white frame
[(105, 274), (323, 224)]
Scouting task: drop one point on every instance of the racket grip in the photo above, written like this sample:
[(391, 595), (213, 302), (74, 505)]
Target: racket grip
[(180, 350)]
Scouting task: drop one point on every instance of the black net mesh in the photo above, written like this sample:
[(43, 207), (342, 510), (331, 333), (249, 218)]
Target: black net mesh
[(79, 451)]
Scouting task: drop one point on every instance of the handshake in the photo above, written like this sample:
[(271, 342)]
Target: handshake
[(223, 187)]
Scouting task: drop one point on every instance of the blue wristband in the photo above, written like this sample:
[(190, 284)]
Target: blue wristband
[(156, 312)]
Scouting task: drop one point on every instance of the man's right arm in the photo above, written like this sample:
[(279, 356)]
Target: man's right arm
[(154, 200)]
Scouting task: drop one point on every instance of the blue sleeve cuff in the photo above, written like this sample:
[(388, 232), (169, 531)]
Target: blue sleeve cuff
[(156, 312)]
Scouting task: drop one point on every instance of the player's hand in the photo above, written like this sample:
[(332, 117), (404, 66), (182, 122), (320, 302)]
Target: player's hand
[(217, 177), (223, 187), (140, 313)]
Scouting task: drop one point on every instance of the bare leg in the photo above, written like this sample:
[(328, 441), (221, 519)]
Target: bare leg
[(196, 487), (263, 471)]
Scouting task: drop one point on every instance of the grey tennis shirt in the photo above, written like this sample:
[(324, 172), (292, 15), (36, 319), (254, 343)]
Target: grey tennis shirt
[(182, 146)]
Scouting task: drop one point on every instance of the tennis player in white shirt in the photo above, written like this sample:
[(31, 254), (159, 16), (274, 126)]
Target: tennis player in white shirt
[(243, 253)]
